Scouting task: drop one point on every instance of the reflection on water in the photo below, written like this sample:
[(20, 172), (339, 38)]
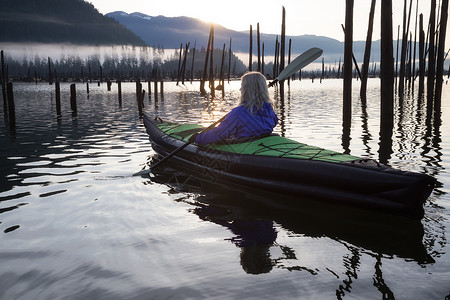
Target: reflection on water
[(70, 209)]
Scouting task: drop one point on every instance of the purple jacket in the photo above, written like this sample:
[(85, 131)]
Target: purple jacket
[(240, 123)]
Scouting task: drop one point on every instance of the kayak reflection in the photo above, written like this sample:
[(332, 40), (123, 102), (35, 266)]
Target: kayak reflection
[(253, 218)]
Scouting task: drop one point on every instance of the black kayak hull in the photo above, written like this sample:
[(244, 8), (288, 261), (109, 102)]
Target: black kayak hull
[(361, 183)]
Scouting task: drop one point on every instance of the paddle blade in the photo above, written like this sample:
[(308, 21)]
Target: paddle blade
[(300, 62)]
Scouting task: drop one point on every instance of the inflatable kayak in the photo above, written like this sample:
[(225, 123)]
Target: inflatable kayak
[(281, 165)]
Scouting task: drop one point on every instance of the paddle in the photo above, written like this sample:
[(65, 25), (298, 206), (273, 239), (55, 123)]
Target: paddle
[(297, 64)]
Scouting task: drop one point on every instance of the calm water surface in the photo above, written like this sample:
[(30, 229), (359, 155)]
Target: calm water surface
[(74, 223)]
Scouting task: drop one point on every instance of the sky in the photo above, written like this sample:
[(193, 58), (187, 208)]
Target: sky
[(317, 17)]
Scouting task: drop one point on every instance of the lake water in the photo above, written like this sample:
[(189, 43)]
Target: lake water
[(75, 223)]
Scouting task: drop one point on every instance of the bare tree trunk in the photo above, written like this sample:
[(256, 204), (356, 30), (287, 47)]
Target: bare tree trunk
[(441, 50), (348, 49), (421, 55), (431, 53), (365, 66), (387, 67), (250, 58)]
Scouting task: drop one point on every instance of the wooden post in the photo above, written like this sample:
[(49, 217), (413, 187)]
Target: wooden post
[(289, 61), (156, 90), (229, 62), (282, 49), (87, 88), (73, 99), (211, 65), (50, 79), (431, 53), (162, 89), (119, 91), (149, 83), (183, 67), (193, 59), (58, 98), (365, 66), (205, 67), (396, 57), (3, 83), (262, 60), (141, 102), (415, 46), (250, 58), (323, 70), (258, 38), (348, 50), (11, 106), (441, 50), (421, 55), (35, 77), (179, 64), (275, 62), (387, 67), (401, 86), (221, 67)]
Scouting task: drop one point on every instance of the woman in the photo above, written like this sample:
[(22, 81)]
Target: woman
[(252, 118)]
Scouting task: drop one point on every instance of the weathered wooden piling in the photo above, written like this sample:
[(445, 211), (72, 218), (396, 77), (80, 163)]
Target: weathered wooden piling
[(87, 88), (193, 60), (162, 89), (262, 60), (229, 62), (141, 102), (73, 99), (282, 49), (211, 66), (365, 66), (387, 82), (3, 83), (221, 77), (250, 58), (183, 67), (421, 55), (348, 50), (353, 57), (119, 91), (440, 56), (414, 72), (58, 98), (387, 68), (50, 79), (179, 63), (431, 52), (322, 75), (401, 84), (156, 89), (11, 106), (258, 41), (205, 67)]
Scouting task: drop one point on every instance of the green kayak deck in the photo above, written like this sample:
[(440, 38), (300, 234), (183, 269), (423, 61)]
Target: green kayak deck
[(273, 145)]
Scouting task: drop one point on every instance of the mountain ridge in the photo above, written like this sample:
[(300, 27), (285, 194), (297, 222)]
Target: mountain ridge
[(55, 21), (170, 32)]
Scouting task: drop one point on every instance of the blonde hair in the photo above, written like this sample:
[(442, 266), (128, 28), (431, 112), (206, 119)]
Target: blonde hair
[(254, 92)]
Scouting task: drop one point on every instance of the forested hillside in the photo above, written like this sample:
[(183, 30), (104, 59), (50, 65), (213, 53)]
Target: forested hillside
[(55, 21)]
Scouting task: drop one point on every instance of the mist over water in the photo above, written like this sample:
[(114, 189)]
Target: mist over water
[(75, 224)]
